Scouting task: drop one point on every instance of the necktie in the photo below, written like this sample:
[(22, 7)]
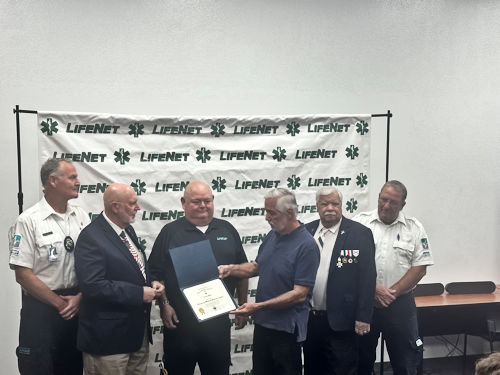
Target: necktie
[(134, 253)]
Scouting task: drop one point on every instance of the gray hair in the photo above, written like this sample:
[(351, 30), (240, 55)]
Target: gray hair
[(398, 186), (327, 190), (286, 200), (51, 166)]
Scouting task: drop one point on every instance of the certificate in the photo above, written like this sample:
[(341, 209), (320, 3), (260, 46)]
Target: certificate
[(209, 299)]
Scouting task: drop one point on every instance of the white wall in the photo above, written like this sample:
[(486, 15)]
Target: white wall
[(434, 64)]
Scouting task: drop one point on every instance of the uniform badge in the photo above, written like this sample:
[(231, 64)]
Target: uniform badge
[(355, 253), (17, 242), (425, 244), (69, 244)]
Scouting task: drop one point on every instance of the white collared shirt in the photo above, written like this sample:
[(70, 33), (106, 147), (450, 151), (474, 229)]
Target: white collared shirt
[(398, 246), (38, 243), (329, 236), (119, 230)]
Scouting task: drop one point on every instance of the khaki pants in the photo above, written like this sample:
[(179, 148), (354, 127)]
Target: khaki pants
[(135, 363)]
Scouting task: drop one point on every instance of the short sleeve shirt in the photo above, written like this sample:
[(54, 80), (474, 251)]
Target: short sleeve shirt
[(38, 243), (226, 246), (398, 246), (285, 261)]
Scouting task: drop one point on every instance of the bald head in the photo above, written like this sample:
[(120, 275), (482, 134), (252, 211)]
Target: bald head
[(198, 203), (120, 204)]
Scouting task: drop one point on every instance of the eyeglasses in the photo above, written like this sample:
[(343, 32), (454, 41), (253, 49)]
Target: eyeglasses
[(198, 202)]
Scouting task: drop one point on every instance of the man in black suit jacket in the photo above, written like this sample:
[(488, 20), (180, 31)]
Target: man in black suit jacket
[(342, 303), (114, 330)]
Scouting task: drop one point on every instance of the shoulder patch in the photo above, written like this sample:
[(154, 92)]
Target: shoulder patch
[(425, 243)]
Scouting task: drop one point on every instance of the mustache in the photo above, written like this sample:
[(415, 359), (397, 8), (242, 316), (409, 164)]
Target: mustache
[(333, 213)]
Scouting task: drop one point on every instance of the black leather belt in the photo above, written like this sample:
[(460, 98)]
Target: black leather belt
[(318, 312)]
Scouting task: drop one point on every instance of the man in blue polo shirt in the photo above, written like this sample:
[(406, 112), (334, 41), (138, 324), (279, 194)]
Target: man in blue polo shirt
[(286, 264)]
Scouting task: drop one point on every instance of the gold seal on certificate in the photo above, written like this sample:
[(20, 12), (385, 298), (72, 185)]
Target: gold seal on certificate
[(209, 299)]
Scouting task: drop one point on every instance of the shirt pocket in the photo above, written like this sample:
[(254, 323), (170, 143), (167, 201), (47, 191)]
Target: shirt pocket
[(49, 248), (405, 249)]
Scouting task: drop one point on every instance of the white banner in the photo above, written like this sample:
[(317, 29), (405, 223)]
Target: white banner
[(241, 158)]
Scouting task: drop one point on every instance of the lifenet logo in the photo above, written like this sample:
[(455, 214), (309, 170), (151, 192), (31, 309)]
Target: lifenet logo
[(351, 205), (203, 155), (49, 126), (139, 186), (256, 129), (247, 211), (219, 184), (315, 154), (162, 215), (279, 154), (92, 128), (164, 156), (122, 156), (177, 130), (292, 128), (352, 152), (256, 238), (361, 180), (242, 155), (93, 188), (84, 157), (293, 182), (362, 127), (328, 128), (256, 184), (217, 129), (171, 186), (136, 129), (329, 181)]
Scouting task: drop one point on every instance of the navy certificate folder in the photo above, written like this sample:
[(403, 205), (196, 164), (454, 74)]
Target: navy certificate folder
[(194, 263)]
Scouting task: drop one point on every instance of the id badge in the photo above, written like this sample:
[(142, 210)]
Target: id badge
[(53, 253)]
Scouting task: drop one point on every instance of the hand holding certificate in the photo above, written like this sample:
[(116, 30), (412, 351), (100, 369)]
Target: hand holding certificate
[(198, 278), (209, 299)]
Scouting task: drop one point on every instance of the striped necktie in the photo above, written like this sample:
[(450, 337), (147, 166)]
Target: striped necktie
[(135, 254)]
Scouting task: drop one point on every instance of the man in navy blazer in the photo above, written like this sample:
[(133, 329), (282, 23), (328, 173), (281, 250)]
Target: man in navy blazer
[(114, 329), (342, 302)]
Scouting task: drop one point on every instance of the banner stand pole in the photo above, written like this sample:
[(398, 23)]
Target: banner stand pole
[(20, 196)]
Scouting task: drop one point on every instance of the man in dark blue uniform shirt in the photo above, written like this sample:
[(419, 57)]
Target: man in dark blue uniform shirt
[(187, 342)]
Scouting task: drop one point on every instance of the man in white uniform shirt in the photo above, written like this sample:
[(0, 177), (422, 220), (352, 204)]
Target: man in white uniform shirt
[(402, 255), (42, 257)]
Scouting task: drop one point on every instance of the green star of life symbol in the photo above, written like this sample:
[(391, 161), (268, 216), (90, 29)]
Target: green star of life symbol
[(203, 155), (292, 128), (279, 153), (362, 180), (219, 184), (293, 182), (122, 156), (142, 243), (362, 127), (351, 205), (352, 152), (139, 186), (49, 126), (136, 129), (218, 129)]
